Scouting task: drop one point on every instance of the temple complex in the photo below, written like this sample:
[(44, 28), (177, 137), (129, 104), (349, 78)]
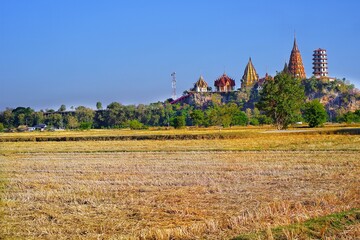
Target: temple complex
[(250, 76), (320, 63), (296, 67), (224, 84), (200, 85)]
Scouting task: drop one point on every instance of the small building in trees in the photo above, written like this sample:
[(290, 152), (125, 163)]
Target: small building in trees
[(224, 84)]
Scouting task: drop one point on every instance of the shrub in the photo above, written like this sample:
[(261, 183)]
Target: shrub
[(314, 113), (254, 121), (85, 125), (1, 127), (135, 124), (178, 122)]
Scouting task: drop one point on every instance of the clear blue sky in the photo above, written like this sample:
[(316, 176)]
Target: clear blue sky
[(78, 52)]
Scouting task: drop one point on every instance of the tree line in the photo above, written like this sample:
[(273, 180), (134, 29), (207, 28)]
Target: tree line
[(281, 102)]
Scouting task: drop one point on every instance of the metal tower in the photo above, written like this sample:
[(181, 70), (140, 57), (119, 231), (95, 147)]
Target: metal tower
[(173, 84)]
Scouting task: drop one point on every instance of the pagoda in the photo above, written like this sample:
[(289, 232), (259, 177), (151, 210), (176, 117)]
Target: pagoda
[(200, 85), (296, 67), (320, 65), (250, 76), (224, 84)]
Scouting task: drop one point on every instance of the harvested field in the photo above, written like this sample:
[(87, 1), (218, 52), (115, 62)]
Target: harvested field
[(180, 189)]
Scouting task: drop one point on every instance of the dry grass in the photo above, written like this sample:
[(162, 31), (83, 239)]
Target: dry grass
[(258, 142), (163, 195), (180, 189)]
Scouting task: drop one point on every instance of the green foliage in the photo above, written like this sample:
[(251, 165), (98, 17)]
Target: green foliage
[(71, 122), (254, 122), (84, 114), (314, 113), (1, 127), (62, 108), (282, 99), (239, 119), (178, 122), (315, 228), (350, 117), (197, 117), (263, 119), (99, 106), (85, 125), (54, 120), (135, 125)]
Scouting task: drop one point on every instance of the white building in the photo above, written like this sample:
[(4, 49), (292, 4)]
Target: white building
[(320, 64)]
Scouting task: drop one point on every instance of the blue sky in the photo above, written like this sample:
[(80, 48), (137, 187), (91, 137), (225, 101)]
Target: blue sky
[(78, 52)]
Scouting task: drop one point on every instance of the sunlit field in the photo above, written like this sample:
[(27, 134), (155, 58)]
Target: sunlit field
[(218, 188)]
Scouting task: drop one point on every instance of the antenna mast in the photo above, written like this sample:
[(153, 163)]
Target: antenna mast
[(173, 84)]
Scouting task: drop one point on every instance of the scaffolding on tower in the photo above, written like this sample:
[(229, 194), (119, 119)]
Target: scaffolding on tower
[(173, 84)]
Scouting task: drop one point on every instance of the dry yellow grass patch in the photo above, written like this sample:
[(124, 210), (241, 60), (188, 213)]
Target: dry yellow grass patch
[(161, 195), (258, 142)]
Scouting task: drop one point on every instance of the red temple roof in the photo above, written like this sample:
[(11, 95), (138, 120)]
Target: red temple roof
[(224, 80)]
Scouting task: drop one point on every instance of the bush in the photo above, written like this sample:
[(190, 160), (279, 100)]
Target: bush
[(315, 113), (254, 122), (240, 119), (1, 127), (85, 125), (135, 125), (178, 122)]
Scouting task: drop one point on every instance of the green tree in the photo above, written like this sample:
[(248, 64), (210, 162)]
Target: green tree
[(179, 121), (55, 120), (314, 113), (62, 108), (8, 118), (240, 118), (38, 118), (281, 99), (99, 106), (85, 115), (197, 117), (1, 127), (115, 116), (71, 122)]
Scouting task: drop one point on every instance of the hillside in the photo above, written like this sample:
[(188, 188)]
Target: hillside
[(337, 96)]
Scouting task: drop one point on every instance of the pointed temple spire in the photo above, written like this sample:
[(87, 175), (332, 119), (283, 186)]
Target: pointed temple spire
[(201, 85), (250, 76), (296, 67), (286, 68)]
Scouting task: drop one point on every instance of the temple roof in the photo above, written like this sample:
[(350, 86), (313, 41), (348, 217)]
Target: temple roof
[(224, 80), (201, 83), (250, 76)]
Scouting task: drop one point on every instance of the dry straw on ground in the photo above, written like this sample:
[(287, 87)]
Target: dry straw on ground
[(89, 190)]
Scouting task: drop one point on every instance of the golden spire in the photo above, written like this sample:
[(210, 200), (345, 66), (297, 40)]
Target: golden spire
[(250, 76)]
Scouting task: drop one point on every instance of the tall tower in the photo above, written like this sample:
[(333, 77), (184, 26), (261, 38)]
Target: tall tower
[(250, 76), (173, 85), (296, 67), (320, 63)]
